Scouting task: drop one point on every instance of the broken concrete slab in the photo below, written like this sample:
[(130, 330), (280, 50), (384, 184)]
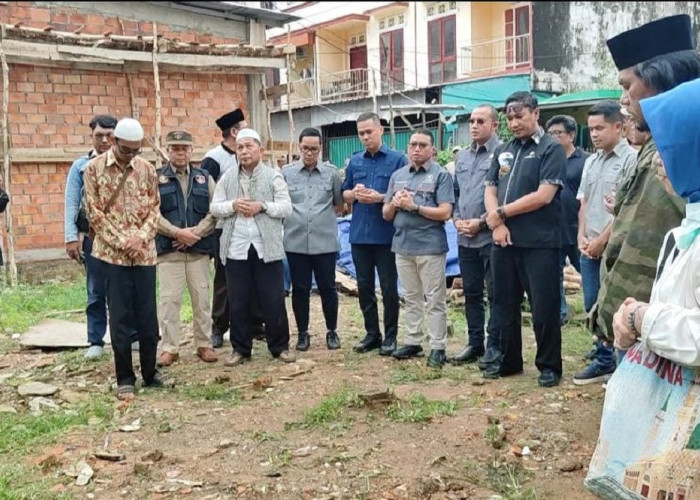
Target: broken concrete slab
[(37, 389), (57, 333)]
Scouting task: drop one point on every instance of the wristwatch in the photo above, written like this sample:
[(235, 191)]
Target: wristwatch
[(501, 213), (416, 210), (264, 207)]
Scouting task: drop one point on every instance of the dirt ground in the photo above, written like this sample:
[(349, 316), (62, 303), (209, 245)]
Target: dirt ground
[(311, 430)]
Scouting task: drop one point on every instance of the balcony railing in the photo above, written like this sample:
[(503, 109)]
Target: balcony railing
[(496, 56), (344, 85)]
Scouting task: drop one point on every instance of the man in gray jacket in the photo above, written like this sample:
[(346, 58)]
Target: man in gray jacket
[(252, 199), (474, 238)]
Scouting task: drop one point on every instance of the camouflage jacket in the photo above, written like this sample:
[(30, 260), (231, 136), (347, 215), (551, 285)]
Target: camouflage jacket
[(644, 213)]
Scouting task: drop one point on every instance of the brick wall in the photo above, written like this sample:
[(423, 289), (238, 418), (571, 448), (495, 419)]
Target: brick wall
[(51, 108)]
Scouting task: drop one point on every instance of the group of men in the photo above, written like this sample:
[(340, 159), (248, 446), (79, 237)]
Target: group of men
[(521, 209)]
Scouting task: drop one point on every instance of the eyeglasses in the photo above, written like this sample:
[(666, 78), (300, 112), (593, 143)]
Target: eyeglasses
[(312, 150), (128, 151), (478, 121), (418, 145), (556, 133)]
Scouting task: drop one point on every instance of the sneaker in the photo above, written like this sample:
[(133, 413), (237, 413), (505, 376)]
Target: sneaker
[(135, 346), (95, 351), (590, 354), (286, 357), (548, 378), (593, 373)]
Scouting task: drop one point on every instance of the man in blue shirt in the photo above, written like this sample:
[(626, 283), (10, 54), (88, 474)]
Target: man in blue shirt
[(366, 182), (76, 222)]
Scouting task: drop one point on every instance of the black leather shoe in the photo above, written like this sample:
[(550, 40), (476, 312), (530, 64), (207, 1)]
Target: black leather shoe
[(369, 343), (303, 341), (548, 379), (388, 347), (490, 357), (496, 370), (217, 339), (437, 358), (468, 355), (332, 340), (408, 351)]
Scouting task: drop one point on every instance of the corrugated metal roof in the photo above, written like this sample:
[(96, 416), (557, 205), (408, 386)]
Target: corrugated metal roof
[(234, 11)]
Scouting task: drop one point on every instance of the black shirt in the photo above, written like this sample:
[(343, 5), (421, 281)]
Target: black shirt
[(518, 169), (569, 204)]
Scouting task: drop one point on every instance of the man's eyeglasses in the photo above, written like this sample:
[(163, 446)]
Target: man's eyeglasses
[(418, 145), (478, 121), (128, 151), (556, 133), (312, 150)]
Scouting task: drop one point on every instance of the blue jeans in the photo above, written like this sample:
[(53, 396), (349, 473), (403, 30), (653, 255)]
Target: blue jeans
[(590, 278), (96, 310), (604, 354), (570, 251)]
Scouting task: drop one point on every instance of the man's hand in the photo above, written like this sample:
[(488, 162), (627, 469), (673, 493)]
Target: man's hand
[(609, 202), (595, 248), (238, 204), (186, 237), (583, 244), (501, 236), (471, 227), (369, 196), (73, 250), (493, 220), (133, 247), (250, 208), (406, 201), (624, 336)]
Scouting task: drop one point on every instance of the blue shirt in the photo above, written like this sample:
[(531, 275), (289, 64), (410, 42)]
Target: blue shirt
[(367, 226), (74, 196)]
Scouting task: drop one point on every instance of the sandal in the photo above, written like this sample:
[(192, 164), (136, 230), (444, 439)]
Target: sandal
[(126, 392), (160, 381)]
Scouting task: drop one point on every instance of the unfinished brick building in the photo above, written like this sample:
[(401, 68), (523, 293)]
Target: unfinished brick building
[(68, 61)]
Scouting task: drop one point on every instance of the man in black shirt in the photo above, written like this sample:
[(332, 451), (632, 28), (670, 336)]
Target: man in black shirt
[(524, 212), (563, 129)]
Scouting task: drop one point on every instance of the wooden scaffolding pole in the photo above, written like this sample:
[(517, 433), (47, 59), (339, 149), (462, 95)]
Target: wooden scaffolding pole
[(268, 119), (156, 82), (289, 99), (11, 262)]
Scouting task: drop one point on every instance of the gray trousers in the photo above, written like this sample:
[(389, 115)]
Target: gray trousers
[(423, 280)]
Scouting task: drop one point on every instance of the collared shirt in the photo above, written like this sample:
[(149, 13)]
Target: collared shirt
[(569, 203), (213, 163), (602, 173), (312, 228), (471, 169), (204, 228), (518, 168), (75, 195), (374, 171), (135, 212), (431, 185)]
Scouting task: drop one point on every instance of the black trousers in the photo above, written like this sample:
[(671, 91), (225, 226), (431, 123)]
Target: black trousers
[(367, 258), (131, 299), (475, 268), (220, 313), (301, 268), (535, 271), (255, 278)]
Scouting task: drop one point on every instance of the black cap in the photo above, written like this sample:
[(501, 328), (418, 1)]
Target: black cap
[(663, 36), (230, 119)]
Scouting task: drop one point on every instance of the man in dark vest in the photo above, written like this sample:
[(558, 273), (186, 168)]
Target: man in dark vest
[(185, 242)]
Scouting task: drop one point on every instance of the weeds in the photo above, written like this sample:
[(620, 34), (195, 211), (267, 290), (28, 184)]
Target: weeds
[(211, 392), (420, 409), (329, 412)]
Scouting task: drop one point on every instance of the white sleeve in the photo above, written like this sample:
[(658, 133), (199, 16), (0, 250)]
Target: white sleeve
[(672, 330), (222, 208)]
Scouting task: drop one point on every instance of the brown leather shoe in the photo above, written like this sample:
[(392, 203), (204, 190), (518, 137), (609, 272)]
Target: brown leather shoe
[(167, 358), (207, 354), (287, 357)]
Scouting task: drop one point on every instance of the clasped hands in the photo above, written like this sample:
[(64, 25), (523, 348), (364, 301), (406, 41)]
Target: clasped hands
[(247, 207), (500, 232), (625, 336), (404, 200), (366, 195)]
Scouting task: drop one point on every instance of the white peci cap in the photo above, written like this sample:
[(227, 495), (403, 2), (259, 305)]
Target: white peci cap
[(248, 133), (129, 130)]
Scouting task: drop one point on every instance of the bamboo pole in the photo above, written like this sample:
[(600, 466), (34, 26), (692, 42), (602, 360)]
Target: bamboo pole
[(11, 262), (268, 120), (130, 83), (156, 82), (289, 98)]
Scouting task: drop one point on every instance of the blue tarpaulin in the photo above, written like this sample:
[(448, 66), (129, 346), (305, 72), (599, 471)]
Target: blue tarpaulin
[(345, 264)]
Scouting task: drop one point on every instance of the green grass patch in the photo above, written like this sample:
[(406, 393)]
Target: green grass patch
[(21, 431), (25, 305), (509, 479), (211, 392), (18, 482), (407, 372), (329, 412), (420, 409)]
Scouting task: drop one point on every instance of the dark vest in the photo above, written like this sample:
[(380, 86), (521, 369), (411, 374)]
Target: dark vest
[(172, 207)]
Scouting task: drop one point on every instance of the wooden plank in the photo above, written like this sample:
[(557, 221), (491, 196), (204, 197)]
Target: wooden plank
[(275, 91), (11, 262)]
